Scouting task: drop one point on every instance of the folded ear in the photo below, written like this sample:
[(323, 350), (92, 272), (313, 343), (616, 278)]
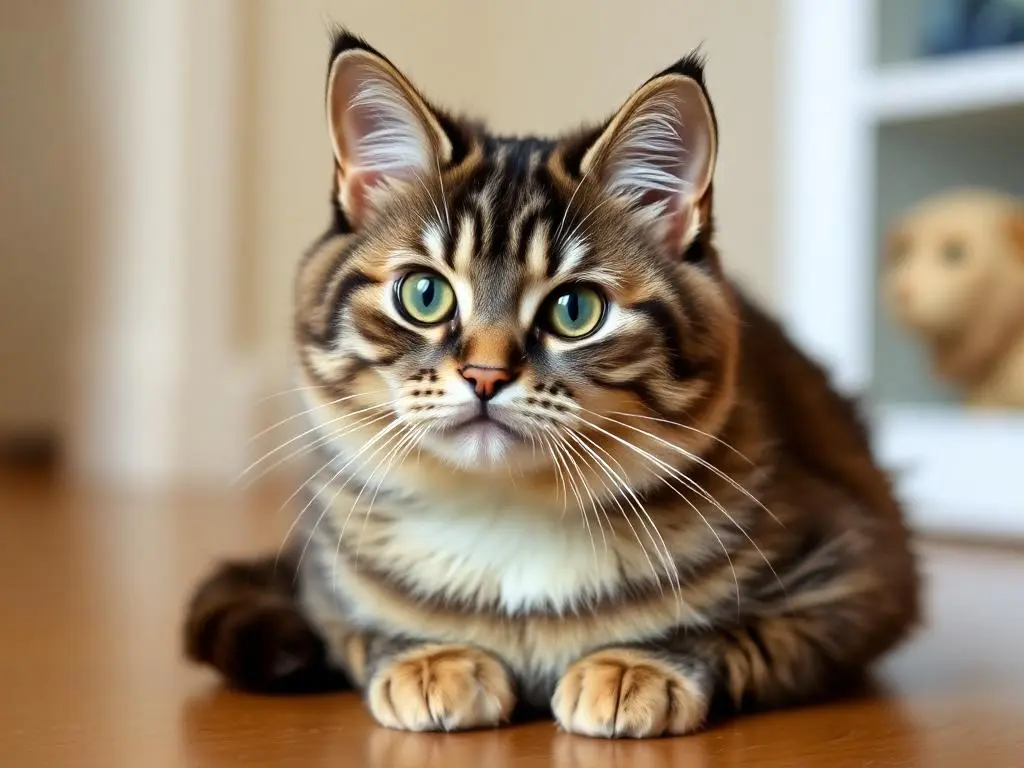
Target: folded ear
[(658, 153), (383, 132)]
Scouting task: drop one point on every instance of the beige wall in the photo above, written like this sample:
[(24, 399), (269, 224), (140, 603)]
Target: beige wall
[(526, 66), (128, 153)]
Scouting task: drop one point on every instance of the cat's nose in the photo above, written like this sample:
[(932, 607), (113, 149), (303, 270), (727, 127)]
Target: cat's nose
[(486, 380)]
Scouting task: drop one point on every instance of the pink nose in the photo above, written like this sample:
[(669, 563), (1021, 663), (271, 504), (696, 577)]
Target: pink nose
[(486, 380)]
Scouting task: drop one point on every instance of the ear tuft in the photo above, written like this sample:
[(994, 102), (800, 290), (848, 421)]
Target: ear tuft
[(658, 153), (383, 132)]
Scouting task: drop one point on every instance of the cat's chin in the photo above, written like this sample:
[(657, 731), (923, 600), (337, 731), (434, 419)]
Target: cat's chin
[(482, 446)]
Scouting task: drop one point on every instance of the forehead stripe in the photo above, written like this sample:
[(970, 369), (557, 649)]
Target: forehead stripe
[(537, 250), (572, 254), (465, 246), (433, 242)]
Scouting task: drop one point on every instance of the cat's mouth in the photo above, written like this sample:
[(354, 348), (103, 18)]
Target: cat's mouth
[(482, 438), (482, 424)]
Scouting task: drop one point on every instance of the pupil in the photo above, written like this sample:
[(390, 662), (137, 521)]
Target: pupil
[(427, 291), (572, 306)]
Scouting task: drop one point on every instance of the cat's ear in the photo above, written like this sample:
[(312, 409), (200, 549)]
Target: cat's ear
[(383, 131), (658, 152)]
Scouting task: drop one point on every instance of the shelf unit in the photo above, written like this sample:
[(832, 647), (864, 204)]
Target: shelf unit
[(862, 140), (964, 84)]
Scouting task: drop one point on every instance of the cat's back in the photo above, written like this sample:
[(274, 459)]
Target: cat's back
[(826, 467), (821, 429)]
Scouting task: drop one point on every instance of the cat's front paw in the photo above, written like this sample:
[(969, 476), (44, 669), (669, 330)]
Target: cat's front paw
[(441, 688), (625, 693)]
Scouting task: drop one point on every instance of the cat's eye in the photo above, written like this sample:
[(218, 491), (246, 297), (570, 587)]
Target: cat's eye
[(574, 311), (953, 252), (425, 298)]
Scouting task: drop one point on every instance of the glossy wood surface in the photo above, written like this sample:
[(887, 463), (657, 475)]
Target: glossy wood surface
[(91, 592)]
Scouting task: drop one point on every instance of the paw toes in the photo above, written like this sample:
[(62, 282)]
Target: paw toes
[(627, 695), (447, 689)]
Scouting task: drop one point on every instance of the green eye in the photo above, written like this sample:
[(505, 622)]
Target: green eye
[(425, 298), (575, 311)]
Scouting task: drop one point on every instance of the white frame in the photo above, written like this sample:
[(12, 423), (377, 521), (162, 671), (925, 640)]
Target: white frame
[(960, 470)]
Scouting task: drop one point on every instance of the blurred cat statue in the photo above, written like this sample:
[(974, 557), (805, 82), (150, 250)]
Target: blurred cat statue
[(954, 276)]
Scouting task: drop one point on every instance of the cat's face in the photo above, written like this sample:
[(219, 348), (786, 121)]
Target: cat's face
[(508, 303)]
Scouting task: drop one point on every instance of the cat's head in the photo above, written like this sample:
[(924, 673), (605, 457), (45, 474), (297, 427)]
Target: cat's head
[(510, 302)]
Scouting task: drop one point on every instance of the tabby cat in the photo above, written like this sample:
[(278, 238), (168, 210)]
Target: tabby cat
[(566, 464)]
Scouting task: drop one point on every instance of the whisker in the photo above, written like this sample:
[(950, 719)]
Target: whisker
[(391, 441), (598, 508), (687, 427), (314, 428), (310, 410), (660, 545), (594, 210), (569, 206), (308, 480), (694, 458), (558, 444), (620, 483), (394, 456), (326, 438), (386, 429), (682, 477), (444, 201), (284, 392), (558, 468), (655, 460), (419, 178)]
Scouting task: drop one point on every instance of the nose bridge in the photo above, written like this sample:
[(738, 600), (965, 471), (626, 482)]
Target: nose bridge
[(490, 346)]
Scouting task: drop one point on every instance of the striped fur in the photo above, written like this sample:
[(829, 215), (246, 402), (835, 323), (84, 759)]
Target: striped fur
[(675, 513)]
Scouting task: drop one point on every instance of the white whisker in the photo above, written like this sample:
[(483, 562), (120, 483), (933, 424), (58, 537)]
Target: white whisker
[(387, 428), (695, 459), (300, 414), (558, 468), (333, 435), (569, 205), (597, 507), (660, 545), (395, 455), (619, 482), (687, 427), (444, 201), (655, 460), (326, 438), (559, 444), (397, 437)]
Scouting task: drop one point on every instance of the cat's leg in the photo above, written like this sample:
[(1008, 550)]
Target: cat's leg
[(668, 688), (245, 622), (433, 687)]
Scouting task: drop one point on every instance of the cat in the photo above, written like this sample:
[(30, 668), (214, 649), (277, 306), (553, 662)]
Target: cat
[(566, 464)]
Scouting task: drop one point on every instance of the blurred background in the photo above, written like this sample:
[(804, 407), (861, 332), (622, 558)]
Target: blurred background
[(165, 163)]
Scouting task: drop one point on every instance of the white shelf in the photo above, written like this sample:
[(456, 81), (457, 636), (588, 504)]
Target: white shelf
[(946, 86), (959, 471)]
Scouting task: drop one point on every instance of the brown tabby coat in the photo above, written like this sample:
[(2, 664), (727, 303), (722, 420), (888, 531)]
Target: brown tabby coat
[(673, 513)]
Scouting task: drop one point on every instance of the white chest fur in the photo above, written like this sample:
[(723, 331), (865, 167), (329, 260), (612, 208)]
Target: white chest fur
[(500, 554)]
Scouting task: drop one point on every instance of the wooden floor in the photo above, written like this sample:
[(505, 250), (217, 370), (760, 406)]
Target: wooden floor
[(91, 674)]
